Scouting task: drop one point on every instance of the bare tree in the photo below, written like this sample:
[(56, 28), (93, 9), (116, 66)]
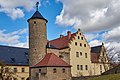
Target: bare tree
[(5, 72), (111, 53)]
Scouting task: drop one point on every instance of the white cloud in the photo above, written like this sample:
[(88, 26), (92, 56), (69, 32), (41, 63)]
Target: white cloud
[(112, 35), (13, 38), (15, 8), (91, 36), (90, 15), (95, 43)]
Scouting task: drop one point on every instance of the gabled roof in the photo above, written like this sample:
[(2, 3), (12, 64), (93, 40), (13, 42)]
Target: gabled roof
[(94, 57), (50, 46), (13, 55), (95, 53), (52, 60), (96, 49), (37, 15), (61, 42)]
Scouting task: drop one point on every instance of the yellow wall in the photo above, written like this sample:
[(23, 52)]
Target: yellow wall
[(81, 60), (19, 75), (93, 68)]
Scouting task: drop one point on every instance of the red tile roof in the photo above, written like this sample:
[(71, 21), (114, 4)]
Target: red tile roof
[(62, 42), (52, 60), (95, 53), (94, 57)]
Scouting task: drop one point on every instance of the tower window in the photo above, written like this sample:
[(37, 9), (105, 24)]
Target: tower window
[(34, 22)]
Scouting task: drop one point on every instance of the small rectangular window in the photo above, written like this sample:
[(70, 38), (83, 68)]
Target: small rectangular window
[(85, 55), (63, 70), (75, 43), (81, 38), (23, 70), (81, 67), (39, 70), (15, 79), (84, 45), (77, 54), (100, 67), (78, 67), (54, 70), (86, 67), (6, 69), (23, 78), (15, 70), (80, 53), (80, 44)]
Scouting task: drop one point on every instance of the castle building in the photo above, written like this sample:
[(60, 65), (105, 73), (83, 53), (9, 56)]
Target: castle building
[(43, 64), (15, 61), (75, 50), (59, 59)]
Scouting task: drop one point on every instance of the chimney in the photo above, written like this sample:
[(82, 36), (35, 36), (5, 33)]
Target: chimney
[(78, 29), (61, 36), (69, 34)]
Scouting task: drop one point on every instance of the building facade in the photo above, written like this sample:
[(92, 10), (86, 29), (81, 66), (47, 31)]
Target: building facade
[(75, 50), (59, 59)]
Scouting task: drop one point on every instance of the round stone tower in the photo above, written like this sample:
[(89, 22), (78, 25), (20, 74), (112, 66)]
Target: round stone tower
[(37, 37)]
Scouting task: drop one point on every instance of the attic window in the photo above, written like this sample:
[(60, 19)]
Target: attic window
[(13, 59), (80, 44), (81, 38), (84, 45), (78, 37), (75, 43), (26, 54), (60, 56)]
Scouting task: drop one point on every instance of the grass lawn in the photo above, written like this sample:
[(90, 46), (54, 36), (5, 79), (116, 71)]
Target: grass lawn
[(107, 77)]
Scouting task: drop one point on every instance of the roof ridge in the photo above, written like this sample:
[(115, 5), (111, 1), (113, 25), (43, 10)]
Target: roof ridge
[(13, 47), (97, 46), (62, 37)]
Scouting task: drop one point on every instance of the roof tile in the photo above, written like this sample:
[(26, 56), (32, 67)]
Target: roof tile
[(52, 60)]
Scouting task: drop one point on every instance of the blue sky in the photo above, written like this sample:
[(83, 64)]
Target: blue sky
[(98, 20)]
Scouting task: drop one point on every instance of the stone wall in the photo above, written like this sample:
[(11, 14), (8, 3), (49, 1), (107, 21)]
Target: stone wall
[(49, 74), (37, 40)]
